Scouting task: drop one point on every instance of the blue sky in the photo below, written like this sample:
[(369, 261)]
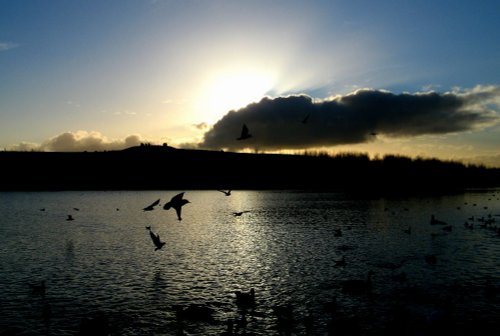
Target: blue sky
[(79, 75)]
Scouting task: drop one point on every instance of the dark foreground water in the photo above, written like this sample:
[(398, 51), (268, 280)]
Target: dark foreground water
[(102, 266)]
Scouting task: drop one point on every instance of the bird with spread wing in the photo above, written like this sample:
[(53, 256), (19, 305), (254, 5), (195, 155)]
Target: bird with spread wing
[(245, 134), (152, 205), (177, 202), (156, 239)]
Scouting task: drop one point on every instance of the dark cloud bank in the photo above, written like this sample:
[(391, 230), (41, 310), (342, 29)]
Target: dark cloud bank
[(354, 118)]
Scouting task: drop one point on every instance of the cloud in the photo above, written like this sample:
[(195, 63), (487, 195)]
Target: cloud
[(353, 118), (7, 45), (201, 126), (78, 142)]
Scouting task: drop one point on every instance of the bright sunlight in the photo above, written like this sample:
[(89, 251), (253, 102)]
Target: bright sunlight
[(233, 90)]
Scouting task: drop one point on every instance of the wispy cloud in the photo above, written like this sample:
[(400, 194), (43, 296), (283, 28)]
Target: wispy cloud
[(354, 118), (80, 141), (7, 45)]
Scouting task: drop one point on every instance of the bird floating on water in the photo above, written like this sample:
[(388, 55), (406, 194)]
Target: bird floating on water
[(193, 312), (435, 221), (70, 218), (156, 239), (447, 228), (38, 289), (431, 259), (245, 300), (358, 286), (244, 133), (340, 263), (152, 205), (176, 202)]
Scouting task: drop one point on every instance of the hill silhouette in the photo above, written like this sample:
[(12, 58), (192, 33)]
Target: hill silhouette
[(166, 168)]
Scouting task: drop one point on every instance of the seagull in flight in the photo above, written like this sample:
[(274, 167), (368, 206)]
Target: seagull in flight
[(237, 214), (156, 239), (176, 202), (227, 193), (244, 133), (304, 121), (152, 205)]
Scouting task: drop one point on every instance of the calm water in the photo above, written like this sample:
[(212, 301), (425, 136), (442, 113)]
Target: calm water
[(104, 263)]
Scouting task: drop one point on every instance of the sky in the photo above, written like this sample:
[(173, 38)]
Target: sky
[(415, 78)]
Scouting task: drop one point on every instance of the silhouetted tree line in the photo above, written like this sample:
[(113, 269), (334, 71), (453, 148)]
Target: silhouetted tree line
[(149, 167)]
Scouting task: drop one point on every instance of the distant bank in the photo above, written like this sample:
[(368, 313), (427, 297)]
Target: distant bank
[(167, 168)]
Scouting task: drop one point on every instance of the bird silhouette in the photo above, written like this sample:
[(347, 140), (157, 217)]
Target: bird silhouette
[(244, 133), (304, 121), (70, 218), (358, 286), (38, 289), (431, 259), (435, 221), (156, 239), (237, 214), (340, 262), (227, 193), (245, 300), (176, 202), (152, 205)]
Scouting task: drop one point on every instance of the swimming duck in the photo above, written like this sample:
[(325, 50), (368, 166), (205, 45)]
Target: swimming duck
[(358, 286), (245, 300)]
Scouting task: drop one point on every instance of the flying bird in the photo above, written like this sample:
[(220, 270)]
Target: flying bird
[(304, 121), (244, 133), (227, 193), (237, 214), (156, 239), (152, 205), (176, 202)]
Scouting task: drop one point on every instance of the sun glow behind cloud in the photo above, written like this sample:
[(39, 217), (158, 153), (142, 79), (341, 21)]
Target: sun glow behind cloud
[(233, 89)]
